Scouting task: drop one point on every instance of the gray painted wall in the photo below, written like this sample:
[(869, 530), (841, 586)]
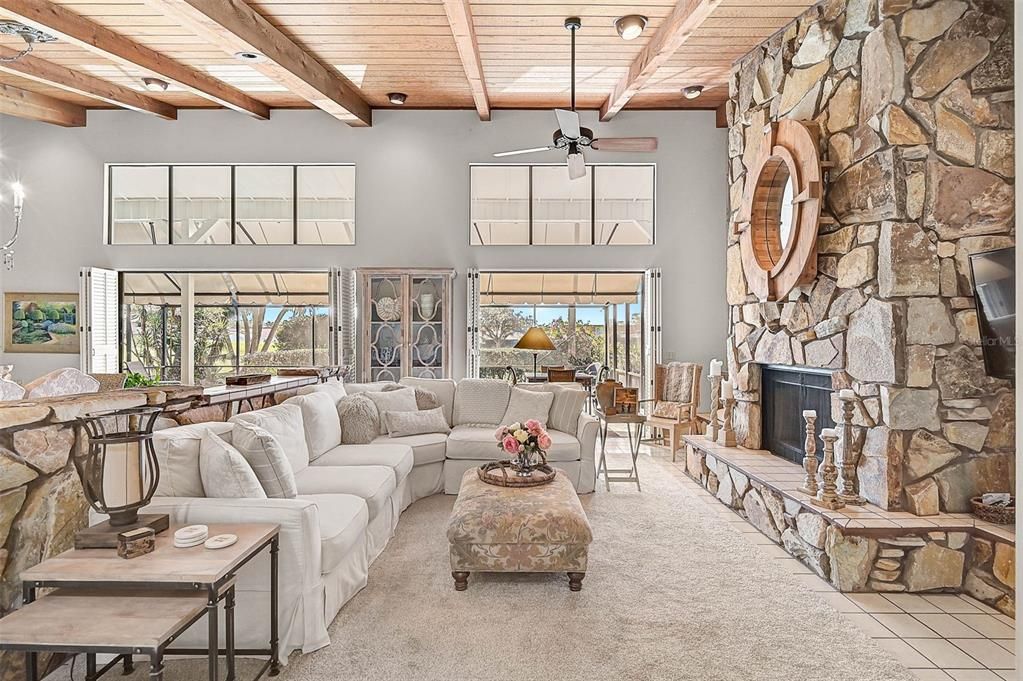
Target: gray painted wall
[(412, 202)]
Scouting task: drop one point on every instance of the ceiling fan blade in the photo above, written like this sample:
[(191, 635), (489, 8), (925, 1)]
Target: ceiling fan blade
[(576, 166), (625, 144), (568, 121), (521, 151)]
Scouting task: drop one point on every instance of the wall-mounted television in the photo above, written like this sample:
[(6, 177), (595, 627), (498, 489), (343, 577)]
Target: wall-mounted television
[(994, 283)]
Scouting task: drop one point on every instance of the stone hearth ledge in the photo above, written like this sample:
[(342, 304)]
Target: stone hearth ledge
[(859, 548)]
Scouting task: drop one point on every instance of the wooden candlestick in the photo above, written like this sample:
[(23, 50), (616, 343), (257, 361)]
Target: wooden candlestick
[(727, 436), (715, 397), (827, 496), (848, 490), (810, 458)]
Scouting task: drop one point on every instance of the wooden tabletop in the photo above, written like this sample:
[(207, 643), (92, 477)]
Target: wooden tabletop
[(96, 619), (165, 565)]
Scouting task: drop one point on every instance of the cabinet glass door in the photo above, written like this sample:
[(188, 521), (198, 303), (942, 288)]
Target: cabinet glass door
[(385, 342), (427, 350)]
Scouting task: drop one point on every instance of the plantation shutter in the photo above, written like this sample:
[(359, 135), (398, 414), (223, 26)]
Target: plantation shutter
[(99, 318), (472, 318), (652, 332), (344, 310)]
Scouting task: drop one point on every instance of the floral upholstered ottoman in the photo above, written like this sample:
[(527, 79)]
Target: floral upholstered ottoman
[(524, 529)]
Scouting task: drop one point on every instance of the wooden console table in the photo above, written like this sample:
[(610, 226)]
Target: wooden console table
[(100, 575)]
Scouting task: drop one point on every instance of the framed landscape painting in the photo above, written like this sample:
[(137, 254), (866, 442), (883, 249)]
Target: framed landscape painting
[(41, 322)]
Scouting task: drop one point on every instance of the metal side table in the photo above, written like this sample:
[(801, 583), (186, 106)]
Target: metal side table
[(194, 570), (624, 474)]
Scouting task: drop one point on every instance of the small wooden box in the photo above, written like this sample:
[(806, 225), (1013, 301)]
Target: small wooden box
[(247, 379), (626, 400), (135, 543)]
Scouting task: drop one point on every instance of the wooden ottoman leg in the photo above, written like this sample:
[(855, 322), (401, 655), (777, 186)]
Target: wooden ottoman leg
[(575, 581), (461, 580)]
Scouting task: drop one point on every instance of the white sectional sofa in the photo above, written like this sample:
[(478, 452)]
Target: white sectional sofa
[(349, 496)]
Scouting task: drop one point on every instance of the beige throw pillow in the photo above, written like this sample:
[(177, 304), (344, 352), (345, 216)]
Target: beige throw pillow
[(360, 420), (402, 423), (267, 459), (225, 472), (526, 404), (393, 400), (569, 402)]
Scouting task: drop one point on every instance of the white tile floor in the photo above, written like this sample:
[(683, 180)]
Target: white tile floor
[(938, 636)]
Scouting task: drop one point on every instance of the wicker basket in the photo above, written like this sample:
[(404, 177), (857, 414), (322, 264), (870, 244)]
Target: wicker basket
[(1001, 515)]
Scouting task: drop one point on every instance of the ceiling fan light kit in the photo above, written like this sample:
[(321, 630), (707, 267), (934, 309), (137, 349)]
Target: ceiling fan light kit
[(573, 138), (630, 26), (397, 98)]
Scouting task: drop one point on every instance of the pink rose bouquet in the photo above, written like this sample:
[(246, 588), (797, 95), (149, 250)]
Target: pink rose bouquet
[(525, 443)]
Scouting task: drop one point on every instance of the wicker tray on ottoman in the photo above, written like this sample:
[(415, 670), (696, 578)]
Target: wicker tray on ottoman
[(508, 529)]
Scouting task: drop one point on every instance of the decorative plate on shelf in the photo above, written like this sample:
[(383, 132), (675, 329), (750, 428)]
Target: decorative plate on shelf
[(388, 309)]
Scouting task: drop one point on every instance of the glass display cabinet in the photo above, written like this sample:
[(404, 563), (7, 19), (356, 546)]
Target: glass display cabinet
[(406, 320)]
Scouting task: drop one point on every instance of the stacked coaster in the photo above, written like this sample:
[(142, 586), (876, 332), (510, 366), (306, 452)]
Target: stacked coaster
[(192, 535)]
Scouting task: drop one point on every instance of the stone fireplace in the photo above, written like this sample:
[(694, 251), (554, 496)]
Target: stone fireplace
[(921, 177)]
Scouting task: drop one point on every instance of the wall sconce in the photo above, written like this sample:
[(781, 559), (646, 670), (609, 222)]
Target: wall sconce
[(120, 442), (19, 205)]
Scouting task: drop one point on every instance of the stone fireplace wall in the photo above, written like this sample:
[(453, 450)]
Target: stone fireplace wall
[(915, 106)]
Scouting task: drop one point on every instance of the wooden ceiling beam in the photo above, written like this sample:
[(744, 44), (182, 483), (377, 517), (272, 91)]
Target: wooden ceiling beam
[(79, 31), (55, 75), (235, 27), (36, 107), (685, 18), (460, 17)]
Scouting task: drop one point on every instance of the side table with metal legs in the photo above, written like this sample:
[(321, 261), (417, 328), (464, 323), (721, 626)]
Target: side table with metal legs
[(622, 474)]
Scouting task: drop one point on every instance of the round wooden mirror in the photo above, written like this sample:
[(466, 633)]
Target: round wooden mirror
[(781, 210)]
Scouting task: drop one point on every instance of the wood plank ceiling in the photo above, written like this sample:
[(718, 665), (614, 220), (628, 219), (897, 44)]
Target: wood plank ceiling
[(345, 56)]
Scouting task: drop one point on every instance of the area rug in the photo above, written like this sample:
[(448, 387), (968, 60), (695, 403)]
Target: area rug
[(673, 592)]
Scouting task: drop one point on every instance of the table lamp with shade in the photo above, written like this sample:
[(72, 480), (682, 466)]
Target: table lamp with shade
[(537, 340)]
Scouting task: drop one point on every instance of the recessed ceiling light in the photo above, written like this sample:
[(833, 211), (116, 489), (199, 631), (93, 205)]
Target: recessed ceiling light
[(155, 84), (250, 57), (397, 98), (692, 91), (630, 26)]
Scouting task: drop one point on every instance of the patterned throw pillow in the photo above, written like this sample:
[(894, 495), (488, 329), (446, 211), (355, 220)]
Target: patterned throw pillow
[(402, 423)]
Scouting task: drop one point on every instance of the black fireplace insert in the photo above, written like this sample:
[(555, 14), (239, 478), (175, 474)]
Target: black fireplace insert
[(785, 393)]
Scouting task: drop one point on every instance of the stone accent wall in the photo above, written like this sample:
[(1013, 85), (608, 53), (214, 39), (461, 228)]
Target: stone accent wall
[(915, 105), (41, 500), (909, 560)]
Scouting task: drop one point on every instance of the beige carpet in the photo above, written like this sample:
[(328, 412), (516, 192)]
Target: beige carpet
[(673, 592)]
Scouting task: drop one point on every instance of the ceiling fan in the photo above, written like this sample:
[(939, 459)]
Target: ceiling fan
[(572, 137)]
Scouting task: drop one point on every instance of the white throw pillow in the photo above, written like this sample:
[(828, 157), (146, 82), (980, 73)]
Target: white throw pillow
[(393, 400), (284, 423), (225, 472), (569, 402), (402, 423), (267, 459), (177, 452), (320, 420), (526, 404), (360, 420), (336, 390)]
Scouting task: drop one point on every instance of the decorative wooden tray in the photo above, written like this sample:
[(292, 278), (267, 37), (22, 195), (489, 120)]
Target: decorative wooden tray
[(502, 474), (247, 379)]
